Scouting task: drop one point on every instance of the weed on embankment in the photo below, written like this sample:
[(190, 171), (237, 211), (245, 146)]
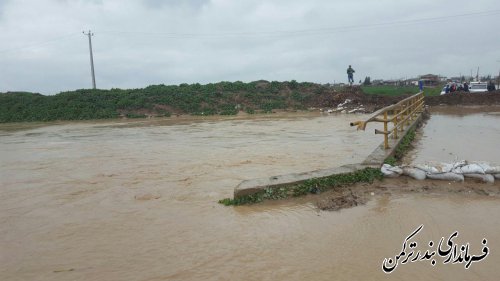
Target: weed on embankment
[(401, 149)]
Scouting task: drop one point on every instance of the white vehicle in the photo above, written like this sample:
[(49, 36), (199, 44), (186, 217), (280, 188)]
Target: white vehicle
[(478, 87), (443, 91)]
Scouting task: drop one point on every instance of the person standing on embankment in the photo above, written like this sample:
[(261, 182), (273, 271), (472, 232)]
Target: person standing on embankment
[(350, 75)]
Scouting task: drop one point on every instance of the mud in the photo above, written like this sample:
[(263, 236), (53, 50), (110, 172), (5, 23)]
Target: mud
[(332, 98), (342, 198), (465, 98), (359, 194)]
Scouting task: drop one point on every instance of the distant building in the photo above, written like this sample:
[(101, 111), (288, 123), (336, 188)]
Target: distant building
[(392, 82), (430, 80), (457, 79), (413, 82)]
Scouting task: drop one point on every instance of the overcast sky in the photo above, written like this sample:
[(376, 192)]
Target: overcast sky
[(142, 42)]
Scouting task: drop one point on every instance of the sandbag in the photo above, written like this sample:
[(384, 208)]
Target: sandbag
[(446, 176), (497, 176), (445, 167), (488, 169), (484, 177), (414, 173), (390, 171), (427, 168), (471, 168)]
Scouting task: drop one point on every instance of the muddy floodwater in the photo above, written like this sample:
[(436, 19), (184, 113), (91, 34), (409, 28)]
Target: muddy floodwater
[(463, 133), (138, 201)]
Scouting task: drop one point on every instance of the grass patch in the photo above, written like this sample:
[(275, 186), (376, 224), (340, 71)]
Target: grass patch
[(400, 90), (315, 185), (436, 91), (389, 90), (404, 145), (391, 161), (401, 150), (250, 111)]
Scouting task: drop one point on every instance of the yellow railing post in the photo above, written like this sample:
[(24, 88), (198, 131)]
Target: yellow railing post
[(395, 121), (386, 136), (403, 117), (408, 112), (402, 124)]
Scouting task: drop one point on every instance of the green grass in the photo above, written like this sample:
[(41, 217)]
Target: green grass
[(391, 161), (402, 149), (223, 98), (397, 91), (389, 90), (436, 91), (404, 145)]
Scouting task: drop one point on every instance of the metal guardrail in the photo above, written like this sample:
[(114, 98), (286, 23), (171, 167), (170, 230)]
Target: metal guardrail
[(399, 115)]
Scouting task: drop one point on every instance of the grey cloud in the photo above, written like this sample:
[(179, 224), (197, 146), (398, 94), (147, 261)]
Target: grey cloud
[(196, 4), (3, 4), (138, 43)]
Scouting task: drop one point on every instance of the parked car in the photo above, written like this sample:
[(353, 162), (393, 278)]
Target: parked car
[(478, 87)]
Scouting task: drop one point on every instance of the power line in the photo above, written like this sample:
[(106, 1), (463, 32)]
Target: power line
[(276, 33), (311, 31), (60, 38)]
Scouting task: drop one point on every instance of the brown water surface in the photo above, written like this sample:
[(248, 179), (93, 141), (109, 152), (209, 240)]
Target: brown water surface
[(138, 201), (463, 133)]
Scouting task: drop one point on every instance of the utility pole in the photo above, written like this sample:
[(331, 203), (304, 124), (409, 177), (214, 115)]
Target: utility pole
[(498, 78), (90, 34)]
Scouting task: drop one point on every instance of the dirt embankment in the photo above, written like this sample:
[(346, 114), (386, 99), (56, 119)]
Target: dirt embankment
[(465, 98), (334, 97), (359, 194), (330, 99)]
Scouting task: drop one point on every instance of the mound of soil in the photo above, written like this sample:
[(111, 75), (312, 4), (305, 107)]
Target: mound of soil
[(334, 97), (341, 199), (465, 98)]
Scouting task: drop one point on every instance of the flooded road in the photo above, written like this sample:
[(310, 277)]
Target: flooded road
[(463, 133), (138, 201)]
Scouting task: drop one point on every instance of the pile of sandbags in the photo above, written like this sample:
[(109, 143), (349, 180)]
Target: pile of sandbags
[(456, 171)]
